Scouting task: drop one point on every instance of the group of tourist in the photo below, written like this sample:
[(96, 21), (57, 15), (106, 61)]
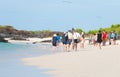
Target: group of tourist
[(69, 40), (103, 37), (72, 39)]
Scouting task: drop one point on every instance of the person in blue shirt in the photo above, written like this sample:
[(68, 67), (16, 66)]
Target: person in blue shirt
[(110, 37), (58, 38), (115, 37)]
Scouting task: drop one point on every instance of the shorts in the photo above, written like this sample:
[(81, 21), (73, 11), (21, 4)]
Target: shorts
[(75, 41), (115, 38), (69, 41), (64, 42)]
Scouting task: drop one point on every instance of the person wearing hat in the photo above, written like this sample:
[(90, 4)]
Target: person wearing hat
[(54, 42)]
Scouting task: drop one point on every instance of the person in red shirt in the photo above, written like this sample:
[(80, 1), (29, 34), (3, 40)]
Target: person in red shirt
[(104, 37)]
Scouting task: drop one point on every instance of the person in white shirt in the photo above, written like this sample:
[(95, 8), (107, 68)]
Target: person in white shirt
[(76, 37), (69, 41)]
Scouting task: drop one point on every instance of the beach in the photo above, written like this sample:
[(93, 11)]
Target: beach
[(88, 62), (29, 40)]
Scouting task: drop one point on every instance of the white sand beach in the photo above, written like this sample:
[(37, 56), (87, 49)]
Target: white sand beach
[(28, 40), (87, 62)]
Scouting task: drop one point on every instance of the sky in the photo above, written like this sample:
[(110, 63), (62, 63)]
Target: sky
[(59, 15)]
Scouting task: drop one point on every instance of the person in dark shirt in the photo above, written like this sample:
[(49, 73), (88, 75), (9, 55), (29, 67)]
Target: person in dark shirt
[(99, 39), (64, 41), (54, 42)]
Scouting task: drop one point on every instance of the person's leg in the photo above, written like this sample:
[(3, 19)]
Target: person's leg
[(75, 46), (54, 48), (112, 42), (82, 45), (68, 45), (72, 46), (109, 42), (103, 42), (100, 45), (63, 47)]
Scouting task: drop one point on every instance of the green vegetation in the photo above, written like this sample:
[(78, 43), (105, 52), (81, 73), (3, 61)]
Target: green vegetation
[(79, 30), (92, 31), (7, 27), (114, 27), (41, 31)]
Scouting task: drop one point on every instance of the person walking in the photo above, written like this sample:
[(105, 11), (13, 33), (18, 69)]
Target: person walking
[(58, 39), (99, 39), (104, 37), (82, 41), (64, 41), (69, 41), (54, 42), (115, 37), (76, 37)]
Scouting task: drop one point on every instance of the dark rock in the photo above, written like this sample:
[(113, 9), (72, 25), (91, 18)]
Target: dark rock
[(3, 40), (18, 38), (34, 42), (46, 41)]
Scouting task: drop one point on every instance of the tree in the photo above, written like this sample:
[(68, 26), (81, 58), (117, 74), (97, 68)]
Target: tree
[(113, 27), (79, 30), (92, 31)]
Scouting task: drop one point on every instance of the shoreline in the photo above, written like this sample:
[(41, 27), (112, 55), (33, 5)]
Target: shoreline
[(88, 62), (11, 65), (29, 40)]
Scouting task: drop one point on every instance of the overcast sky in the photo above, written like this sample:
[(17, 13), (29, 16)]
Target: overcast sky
[(59, 15)]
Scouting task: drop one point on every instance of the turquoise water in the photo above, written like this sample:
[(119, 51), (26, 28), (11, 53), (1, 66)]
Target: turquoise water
[(12, 66)]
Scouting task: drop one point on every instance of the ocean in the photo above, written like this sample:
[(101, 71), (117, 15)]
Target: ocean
[(10, 59)]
